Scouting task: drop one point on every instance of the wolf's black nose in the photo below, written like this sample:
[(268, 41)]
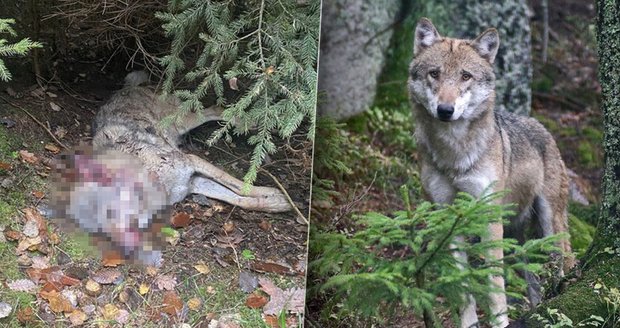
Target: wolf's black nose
[(445, 111)]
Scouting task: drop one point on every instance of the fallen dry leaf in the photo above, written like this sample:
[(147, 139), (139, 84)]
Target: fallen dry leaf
[(122, 317), (111, 258), (22, 285), (180, 220), (166, 282), (247, 281), (5, 166), (110, 312), (228, 226), (58, 302), (202, 268), (25, 315), (256, 301), (30, 229), (151, 271), (291, 300), (274, 322), (32, 214), (60, 132), (5, 309), (50, 286), (28, 244), (24, 260), (52, 148), (229, 240), (51, 274), (38, 194), (272, 267), (172, 303), (40, 262), (28, 157), (77, 318), (106, 276), (12, 235), (143, 289), (92, 288), (55, 107), (194, 303), (264, 225), (54, 239)]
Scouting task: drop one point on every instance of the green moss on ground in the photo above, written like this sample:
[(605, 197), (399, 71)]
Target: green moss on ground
[(586, 297), (586, 213), (588, 156), (581, 234)]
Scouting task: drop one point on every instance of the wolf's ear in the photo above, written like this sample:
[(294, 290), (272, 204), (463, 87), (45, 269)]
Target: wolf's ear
[(425, 35), (486, 44)]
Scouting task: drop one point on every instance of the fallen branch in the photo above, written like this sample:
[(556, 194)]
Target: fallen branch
[(281, 187), (38, 122)]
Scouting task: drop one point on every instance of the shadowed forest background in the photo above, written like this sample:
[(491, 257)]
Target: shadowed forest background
[(365, 157)]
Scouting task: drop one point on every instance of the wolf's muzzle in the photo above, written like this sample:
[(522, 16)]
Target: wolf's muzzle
[(445, 111)]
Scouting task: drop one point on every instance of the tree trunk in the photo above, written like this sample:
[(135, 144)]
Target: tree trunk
[(355, 35), (513, 64), (601, 264)]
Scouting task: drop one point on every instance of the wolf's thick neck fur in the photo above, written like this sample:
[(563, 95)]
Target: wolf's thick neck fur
[(455, 147)]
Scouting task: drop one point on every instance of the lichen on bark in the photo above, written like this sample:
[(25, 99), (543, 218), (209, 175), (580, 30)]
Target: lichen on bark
[(355, 35), (513, 64)]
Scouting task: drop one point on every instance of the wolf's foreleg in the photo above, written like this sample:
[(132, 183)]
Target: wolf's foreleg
[(499, 307), (467, 312)]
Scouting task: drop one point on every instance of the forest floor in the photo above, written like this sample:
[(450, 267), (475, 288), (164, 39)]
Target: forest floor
[(225, 267), (566, 99)]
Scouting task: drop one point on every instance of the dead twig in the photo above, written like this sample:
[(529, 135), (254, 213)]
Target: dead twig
[(230, 242), (38, 122), (281, 187)]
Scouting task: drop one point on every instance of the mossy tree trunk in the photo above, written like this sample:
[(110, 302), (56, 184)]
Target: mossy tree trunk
[(355, 35), (601, 264), (608, 37)]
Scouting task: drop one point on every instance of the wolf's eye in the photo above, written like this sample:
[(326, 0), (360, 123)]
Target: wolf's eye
[(434, 74), (466, 76)]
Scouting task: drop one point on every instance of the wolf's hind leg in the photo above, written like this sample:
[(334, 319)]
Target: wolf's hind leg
[(263, 198), (212, 189), (552, 219)]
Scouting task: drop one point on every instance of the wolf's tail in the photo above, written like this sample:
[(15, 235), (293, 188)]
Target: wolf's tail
[(136, 78)]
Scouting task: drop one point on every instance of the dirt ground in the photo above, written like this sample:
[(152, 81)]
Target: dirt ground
[(199, 283)]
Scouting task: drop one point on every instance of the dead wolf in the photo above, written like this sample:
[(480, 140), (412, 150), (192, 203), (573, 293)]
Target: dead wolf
[(135, 170), (465, 145)]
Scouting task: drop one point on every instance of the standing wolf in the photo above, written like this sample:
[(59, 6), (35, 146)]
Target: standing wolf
[(465, 145)]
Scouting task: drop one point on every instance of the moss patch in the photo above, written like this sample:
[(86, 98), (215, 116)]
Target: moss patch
[(588, 156), (581, 300), (581, 234), (588, 214)]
